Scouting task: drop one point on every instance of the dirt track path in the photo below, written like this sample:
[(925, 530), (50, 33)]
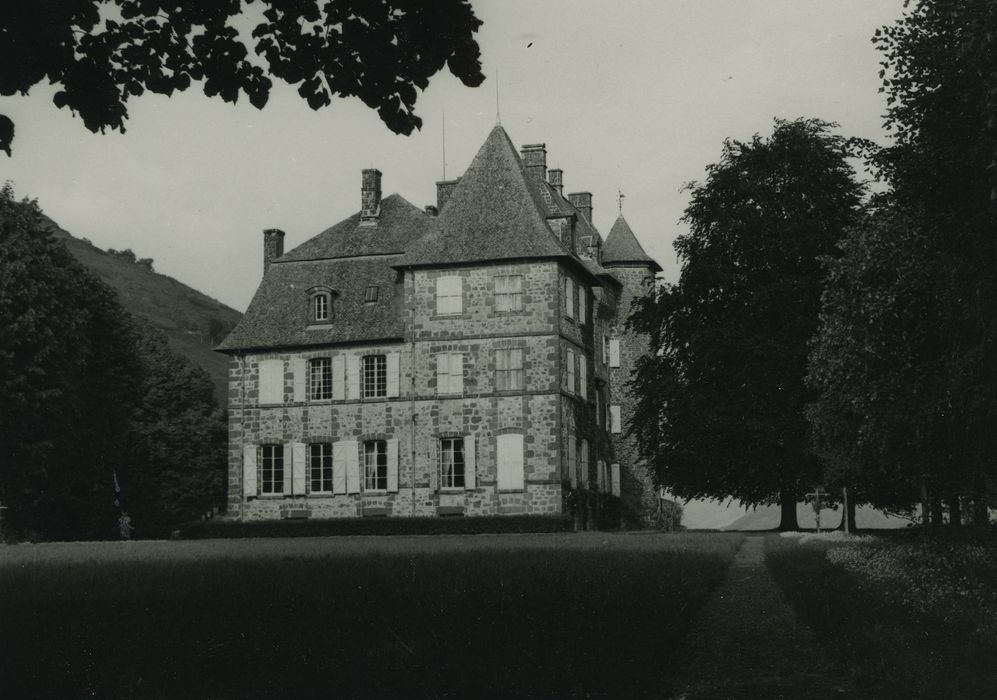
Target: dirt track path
[(748, 642)]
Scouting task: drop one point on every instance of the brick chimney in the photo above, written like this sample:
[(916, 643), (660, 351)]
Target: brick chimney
[(555, 177), (535, 160), (273, 246), (583, 203), (444, 188), (370, 197)]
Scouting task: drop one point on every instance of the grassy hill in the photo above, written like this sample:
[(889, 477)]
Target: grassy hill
[(193, 322)]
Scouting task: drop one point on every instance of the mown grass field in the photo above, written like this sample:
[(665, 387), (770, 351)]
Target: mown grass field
[(909, 618), (560, 615)]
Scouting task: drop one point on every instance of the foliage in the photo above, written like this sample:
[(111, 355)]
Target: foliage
[(720, 406), (495, 616), (89, 394), (103, 52)]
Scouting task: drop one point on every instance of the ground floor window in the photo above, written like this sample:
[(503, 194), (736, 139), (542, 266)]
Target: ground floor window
[(375, 465), (320, 467), (452, 465), (271, 469)]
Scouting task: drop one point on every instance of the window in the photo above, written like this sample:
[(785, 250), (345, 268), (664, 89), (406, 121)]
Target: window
[(320, 467), (583, 462), (583, 380), (570, 363), (509, 449), (449, 295), (572, 462), (375, 376), (370, 294), (375, 465), (582, 304), (509, 293), (271, 469), (569, 297), (605, 349), (452, 467), (320, 307), (450, 373), (509, 369), (320, 378)]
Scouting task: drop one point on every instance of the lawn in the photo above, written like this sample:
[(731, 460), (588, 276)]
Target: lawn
[(911, 618), (557, 615)]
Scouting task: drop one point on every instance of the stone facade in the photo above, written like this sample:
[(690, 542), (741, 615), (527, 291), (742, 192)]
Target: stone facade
[(367, 411)]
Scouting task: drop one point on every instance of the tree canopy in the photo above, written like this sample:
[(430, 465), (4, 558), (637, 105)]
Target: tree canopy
[(720, 407), (103, 52)]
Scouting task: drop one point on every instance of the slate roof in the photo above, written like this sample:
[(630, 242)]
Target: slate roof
[(493, 214), (622, 247), (278, 314)]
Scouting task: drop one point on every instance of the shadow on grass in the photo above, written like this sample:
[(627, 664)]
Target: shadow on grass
[(516, 622), (892, 652)]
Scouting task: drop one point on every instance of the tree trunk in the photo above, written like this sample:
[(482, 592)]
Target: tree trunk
[(849, 513), (936, 512), (981, 514), (787, 502), (955, 511), (924, 505)]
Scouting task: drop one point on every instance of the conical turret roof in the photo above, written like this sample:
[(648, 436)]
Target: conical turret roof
[(622, 247)]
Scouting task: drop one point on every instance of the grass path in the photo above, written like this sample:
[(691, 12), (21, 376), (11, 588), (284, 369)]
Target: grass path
[(749, 643)]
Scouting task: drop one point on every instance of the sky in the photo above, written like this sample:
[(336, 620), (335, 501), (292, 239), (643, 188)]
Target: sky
[(635, 96)]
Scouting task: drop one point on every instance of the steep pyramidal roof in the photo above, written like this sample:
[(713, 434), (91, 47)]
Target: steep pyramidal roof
[(622, 247), (493, 214)]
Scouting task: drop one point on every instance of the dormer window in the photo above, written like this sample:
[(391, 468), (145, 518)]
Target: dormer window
[(320, 305), (370, 295)]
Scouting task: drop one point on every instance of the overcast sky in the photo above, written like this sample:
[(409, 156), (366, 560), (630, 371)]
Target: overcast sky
[(634, 96)]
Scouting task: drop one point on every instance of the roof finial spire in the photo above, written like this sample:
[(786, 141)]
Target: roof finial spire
[(619, 199), (498, 114)]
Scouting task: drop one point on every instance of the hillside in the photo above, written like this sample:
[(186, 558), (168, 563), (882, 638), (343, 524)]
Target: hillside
[(193, 322)]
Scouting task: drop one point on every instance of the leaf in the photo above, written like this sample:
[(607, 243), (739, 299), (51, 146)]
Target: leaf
[(6, 134)]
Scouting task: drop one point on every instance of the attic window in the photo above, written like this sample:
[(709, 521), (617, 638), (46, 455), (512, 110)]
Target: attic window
[(370, 295), (320, 300)]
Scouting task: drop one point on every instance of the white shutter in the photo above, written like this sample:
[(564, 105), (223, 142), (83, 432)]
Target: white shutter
[(300, 368), (338, 378), (393, 379), (353, 377), (614, 419), (393, 465), (457, 373), (470, 468), (298, 463), (572, 458), (288, 466), (449, 295), (569, 297), (581, 304), (350, 447), (614, 352), (570, 378), (249, 487), (583, 376), (271, 381), (442, 373), (339, 450), (615, 477), (510, 462)]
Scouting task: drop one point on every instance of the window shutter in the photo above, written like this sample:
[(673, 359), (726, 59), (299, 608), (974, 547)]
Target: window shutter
[(271, 381), (393, 378), (583, 377), (584, 459), (339, 451), (457, 373), (570, 378), (582, 310), (288, 467), (249, 487), (510, 462), (470, 468), (600, 475), (300, 368), (569, 297), (615, 476), (353, 377), (350, 447), (298, 463), (449, 295), (572, 458), (442, 373), (614, 419), (393, 465), (614, 352), (338, 378)]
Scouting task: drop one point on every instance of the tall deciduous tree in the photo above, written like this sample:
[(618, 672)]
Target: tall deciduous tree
[(103, 52), (720, 409)]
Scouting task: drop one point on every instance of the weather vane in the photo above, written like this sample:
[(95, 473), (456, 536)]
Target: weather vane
[(619, 198)]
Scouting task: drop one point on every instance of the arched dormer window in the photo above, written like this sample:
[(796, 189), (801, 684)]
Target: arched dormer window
[(320, 305)]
